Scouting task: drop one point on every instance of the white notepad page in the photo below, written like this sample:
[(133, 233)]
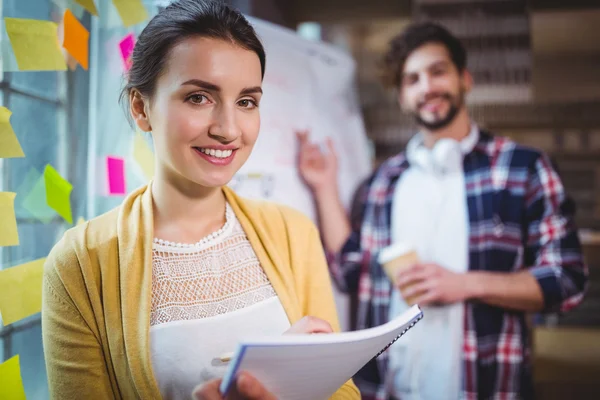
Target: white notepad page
[(313, 367)]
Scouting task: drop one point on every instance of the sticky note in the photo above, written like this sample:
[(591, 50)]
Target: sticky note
[(9, 144), (11, 383), (115, 171), (126, 46), (21, 291), (89, 5), (9, 61), (9, 235), (143, 155), (32, 191), (131, 11), (35, 44), (58, 191), (76, 39)]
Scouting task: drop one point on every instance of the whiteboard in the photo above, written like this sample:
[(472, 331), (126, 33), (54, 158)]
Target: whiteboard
[(307, 85)]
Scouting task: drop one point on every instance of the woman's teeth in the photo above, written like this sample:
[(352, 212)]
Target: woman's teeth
[(216, 153)]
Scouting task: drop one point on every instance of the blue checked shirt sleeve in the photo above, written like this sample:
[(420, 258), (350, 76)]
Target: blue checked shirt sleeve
[(553, 251), (346, 265)]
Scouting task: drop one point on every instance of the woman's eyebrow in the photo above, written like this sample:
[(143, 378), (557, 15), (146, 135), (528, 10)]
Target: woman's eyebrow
[(215, 88)]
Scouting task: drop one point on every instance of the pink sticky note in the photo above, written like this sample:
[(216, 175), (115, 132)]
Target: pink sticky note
[(126, 45), (116, 175)]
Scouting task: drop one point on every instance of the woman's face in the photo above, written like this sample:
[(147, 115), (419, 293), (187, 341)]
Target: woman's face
[(204, 113)]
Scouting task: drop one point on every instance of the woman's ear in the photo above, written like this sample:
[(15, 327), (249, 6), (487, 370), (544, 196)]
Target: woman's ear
[(138, 107)]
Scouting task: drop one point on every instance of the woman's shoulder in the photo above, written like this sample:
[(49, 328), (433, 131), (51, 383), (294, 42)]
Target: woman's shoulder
[(271, 213), (69, 255)]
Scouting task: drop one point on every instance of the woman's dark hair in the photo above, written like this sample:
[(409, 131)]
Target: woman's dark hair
[(413, 37), (178, 21)]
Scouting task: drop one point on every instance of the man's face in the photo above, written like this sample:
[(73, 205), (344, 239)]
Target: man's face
[(432, 89)]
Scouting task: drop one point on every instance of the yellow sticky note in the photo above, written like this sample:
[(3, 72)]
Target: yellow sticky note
[(58, 191), (21, 291), (131, 11), (76, 39), (143, 155), (35, 44), (11, 384), (89, 5), (9, 235), (9, 144)]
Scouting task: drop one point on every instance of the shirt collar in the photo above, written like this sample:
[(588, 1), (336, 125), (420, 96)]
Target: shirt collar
[(467, 144)]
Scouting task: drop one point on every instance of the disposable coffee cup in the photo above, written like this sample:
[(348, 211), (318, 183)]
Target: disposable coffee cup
[(395, 258)]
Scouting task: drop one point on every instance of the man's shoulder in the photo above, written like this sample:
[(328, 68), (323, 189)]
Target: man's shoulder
[(393, 165), (503, 149)]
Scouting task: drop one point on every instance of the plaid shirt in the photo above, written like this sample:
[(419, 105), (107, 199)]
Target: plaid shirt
[(516, 221)]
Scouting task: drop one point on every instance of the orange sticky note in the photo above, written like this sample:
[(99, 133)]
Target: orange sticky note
[(76, 39), (89, 5)]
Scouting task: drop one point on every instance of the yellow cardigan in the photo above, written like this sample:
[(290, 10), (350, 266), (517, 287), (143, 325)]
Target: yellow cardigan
[(97, 289)]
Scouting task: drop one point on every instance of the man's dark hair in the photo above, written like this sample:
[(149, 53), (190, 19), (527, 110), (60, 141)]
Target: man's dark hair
[(413, 37)]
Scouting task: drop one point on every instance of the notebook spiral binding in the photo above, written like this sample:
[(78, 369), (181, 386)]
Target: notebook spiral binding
[(400, 335)]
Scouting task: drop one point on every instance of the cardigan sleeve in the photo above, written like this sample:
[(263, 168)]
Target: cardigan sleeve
[(75, 362), (319, 301)]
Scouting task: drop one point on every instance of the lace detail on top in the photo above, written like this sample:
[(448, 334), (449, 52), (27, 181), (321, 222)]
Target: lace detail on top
[(214, 276)]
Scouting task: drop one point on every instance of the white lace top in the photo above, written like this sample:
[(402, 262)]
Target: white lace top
[(206, 296)]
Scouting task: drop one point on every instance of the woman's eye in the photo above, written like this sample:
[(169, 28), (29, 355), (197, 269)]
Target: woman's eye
[(197, 98), (247, 103)]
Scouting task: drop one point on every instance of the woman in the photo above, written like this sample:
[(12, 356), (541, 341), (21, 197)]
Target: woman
[(144, 300)]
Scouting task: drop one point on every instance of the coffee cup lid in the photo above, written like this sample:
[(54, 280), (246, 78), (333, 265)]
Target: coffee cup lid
[(393, 251)]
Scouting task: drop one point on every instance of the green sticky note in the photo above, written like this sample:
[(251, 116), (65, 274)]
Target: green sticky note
[(58, 191), (33, 192), (11, 384)]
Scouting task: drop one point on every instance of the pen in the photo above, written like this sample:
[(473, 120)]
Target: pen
[(226, 357)]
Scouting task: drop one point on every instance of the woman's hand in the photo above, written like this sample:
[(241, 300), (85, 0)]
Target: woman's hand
[(310, 324), (246, 388)]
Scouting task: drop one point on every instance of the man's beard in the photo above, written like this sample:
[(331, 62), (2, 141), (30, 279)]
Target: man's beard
[(456, 103)]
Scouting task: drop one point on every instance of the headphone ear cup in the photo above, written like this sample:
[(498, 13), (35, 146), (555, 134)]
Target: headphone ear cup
[(447, 154), (422, 158)]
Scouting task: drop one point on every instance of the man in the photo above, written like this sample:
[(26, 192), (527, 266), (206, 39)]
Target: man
[(484, 215)]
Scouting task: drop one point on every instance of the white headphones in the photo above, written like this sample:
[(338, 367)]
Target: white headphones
[(445, 156)]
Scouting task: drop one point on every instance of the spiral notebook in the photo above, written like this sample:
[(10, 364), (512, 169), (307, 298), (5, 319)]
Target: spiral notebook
[(313, 367)]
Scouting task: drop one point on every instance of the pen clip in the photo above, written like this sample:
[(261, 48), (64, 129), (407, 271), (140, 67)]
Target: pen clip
[(226, 357)]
